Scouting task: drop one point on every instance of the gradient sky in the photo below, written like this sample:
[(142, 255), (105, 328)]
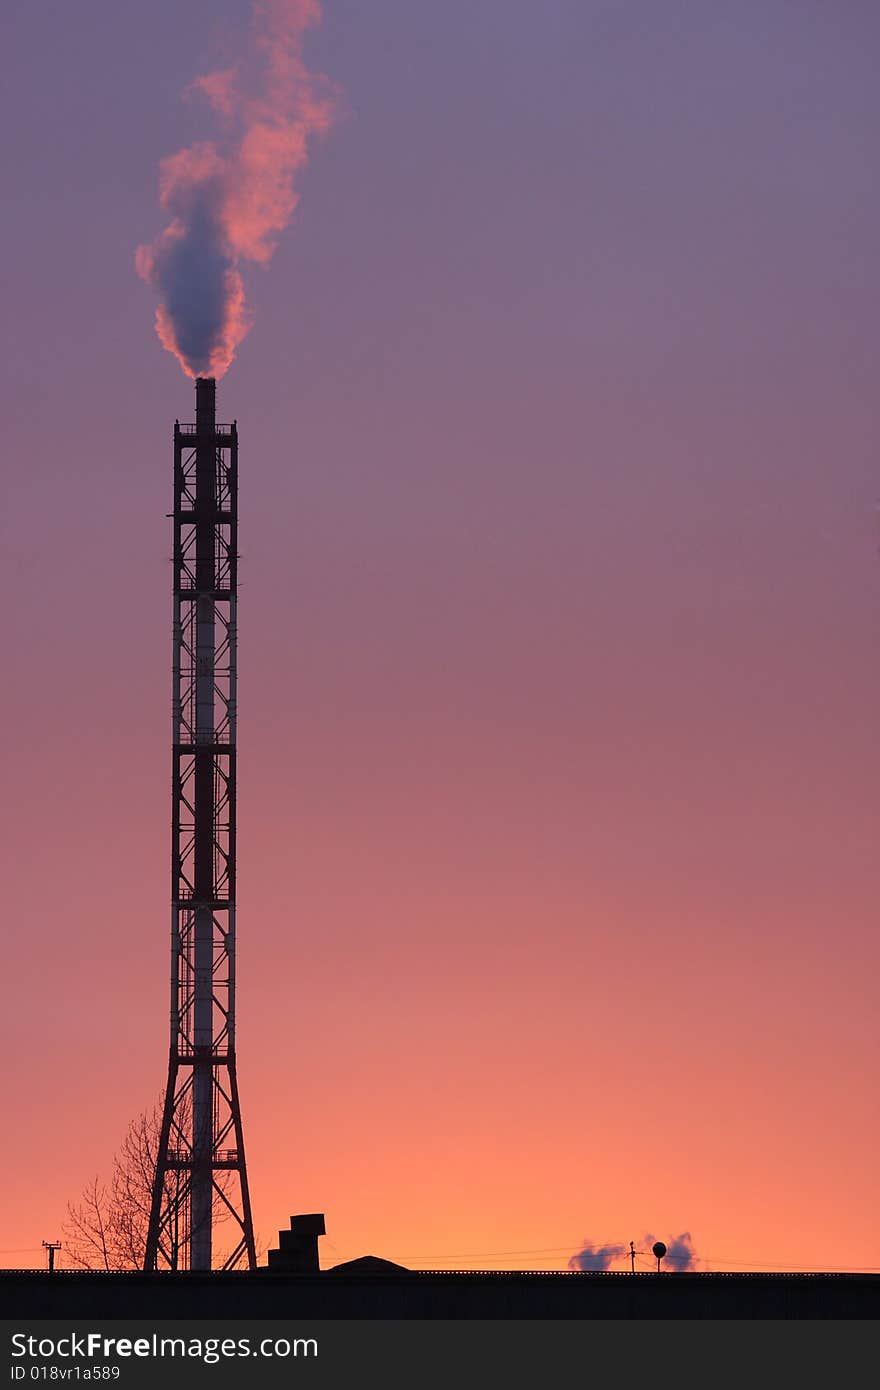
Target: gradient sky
[(558, 627)]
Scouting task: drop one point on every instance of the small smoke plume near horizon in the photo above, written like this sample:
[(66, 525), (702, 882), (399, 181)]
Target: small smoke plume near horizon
[(595, 1257), (680, 1253), (230, 198)]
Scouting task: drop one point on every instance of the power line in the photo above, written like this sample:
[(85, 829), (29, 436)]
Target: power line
[(487, 1254), (782, 1265), (622, 1252)]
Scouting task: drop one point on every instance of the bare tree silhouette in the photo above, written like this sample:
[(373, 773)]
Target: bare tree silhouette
[(107, 1227)]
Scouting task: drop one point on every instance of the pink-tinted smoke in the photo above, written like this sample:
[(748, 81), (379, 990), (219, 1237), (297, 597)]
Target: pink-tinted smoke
[(230, 198)]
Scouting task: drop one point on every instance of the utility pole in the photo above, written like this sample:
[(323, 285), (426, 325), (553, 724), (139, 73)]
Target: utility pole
[(632, 1256), (50, 1246)]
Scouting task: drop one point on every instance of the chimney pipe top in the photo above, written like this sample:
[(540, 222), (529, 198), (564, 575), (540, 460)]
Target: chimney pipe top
[(206, 397)]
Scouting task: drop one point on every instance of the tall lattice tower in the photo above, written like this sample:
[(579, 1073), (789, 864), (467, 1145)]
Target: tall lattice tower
[(200, 1168)]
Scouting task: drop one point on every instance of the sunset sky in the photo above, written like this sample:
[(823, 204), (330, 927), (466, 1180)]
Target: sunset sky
[(558, 739)]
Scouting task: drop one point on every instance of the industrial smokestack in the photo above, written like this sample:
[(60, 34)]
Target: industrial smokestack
[(201, 1146), (206, 405)]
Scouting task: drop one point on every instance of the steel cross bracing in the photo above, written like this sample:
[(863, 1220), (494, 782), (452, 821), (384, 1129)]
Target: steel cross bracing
[(201, 1178)]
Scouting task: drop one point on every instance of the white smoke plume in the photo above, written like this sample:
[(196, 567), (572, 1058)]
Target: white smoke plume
[(229, 199)]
